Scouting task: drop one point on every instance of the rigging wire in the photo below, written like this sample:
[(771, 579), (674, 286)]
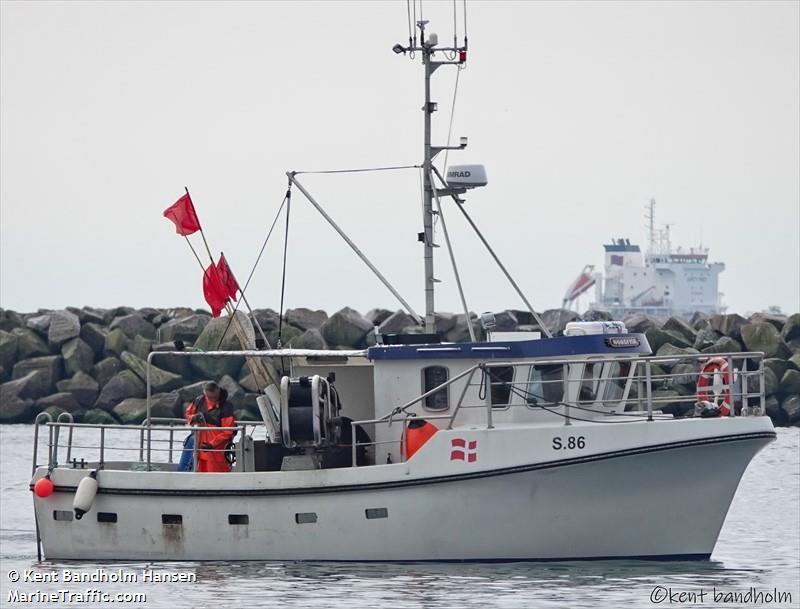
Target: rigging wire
[(415, 23), (283, 273), (408, 21), (360, 170), (253, 270), (452, 115), (465, 24)]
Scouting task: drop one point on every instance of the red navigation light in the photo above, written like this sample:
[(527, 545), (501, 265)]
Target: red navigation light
[(462, 56)]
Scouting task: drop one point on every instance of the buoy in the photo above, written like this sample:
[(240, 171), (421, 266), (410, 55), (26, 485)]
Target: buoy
[(43, 487), (84, 496), (714, 385), (419, 431)]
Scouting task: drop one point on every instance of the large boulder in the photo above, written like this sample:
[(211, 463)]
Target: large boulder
[(104, 370), (706, 337), (39, 324), (220, 334), (141, 347), (459, 333), (82, 387), (639, 324), (189, 392), (215, 367), (776, 320), (161, 381), (790, 408), (166, 406), (346, 328), (443, 323), (670, 350), (680, 326), (266, 318), (779, 366), (65, 402), (235, 392), (92, 315), (33, 385), (121, 311), (8, 349), (186, 329), (116, 342), (94, 336), (64, 326), (123, 385), (791, 329), (597, 315), (131, 411), (790, 382), (305, 319), (771, 382), (773, 409), (133, 325), (78, 356), (248, 382), (506, 321), (728, 325), (98, 416), (17, 410), (377, 316), (557, 319), (763, 336), (396, 323), (288, 334), (177, 364), (49, 365), (310, 339), (725, 344), (657, 338), (10, 320), (29, 344)]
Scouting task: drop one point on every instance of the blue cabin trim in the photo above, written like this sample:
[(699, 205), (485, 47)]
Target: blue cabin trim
[(563, 346)]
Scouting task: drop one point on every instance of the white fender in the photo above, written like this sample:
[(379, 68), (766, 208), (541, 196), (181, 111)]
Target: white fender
[(84, 496)]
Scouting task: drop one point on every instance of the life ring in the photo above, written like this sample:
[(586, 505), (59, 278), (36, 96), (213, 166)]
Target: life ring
[(714, 384)]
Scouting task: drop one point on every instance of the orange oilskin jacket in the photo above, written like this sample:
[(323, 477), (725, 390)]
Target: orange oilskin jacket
[(216, 415)]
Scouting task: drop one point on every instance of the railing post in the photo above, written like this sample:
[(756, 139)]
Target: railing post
[(745, 398), (50, 446), (649, 389), (761, 385), (141, 444), (171, 440), (488, 398), (461, 398), (565, 379), (353, 443), (241, 448), (731, 375), (102, 448), (194, 449)]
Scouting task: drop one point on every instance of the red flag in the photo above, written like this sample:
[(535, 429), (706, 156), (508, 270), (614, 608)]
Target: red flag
[(183, 216), (226, 277), (214, 291)]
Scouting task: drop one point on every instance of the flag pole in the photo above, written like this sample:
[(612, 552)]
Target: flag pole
[(191, 247), (247, 304), (254, 365)]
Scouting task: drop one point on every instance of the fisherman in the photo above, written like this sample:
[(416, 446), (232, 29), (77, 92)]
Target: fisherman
[(210, 410)]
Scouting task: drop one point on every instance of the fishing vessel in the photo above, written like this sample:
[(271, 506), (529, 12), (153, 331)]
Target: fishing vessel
[(510, 446)]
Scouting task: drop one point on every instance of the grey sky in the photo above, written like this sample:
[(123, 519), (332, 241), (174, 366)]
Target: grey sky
[(581, 112)]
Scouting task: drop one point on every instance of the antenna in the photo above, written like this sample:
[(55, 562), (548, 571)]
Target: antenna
[(650, 216)]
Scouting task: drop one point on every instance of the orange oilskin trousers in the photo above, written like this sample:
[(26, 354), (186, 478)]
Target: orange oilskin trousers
[(212, 460)]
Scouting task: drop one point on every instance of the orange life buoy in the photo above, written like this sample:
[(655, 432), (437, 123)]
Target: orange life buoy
[(714, 384), (419, 431)]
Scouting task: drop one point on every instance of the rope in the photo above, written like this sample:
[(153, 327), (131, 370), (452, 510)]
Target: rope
[(452, 115), (408, 20), (283, 274), (360, 170), (253, 270)]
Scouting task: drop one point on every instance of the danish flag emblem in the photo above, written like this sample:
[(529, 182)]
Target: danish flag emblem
[(463, 450)]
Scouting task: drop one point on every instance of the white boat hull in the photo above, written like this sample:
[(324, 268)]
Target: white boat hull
[(665, 500)]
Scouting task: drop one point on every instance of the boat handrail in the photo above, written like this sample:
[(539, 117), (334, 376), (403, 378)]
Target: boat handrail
[(648, 377)]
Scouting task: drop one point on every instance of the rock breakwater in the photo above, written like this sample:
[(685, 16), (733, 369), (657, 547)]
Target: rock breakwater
[(90, 362)]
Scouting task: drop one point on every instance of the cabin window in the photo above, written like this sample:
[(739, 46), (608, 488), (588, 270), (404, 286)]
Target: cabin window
[(501, 378), (238, 519), (305, 518), (432, 377), (590, 382), (545, 385), (106, 516), (617, 378)]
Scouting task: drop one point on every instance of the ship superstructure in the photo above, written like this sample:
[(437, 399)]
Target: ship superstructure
[(661, 281)]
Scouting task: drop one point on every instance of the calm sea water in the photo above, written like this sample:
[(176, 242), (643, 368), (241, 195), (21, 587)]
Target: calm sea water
[(758, 551)]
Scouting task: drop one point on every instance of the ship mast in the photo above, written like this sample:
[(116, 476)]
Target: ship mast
[(427, 47)]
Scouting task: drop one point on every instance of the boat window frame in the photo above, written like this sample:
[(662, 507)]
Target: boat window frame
[(425, 388), (529, 382), (510, 400)]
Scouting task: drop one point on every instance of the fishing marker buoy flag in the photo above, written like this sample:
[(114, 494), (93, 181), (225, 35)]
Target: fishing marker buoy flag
[(43, 487), (183, 215)]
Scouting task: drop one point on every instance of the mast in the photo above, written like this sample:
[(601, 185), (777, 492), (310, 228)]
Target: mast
[(427, 47)]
